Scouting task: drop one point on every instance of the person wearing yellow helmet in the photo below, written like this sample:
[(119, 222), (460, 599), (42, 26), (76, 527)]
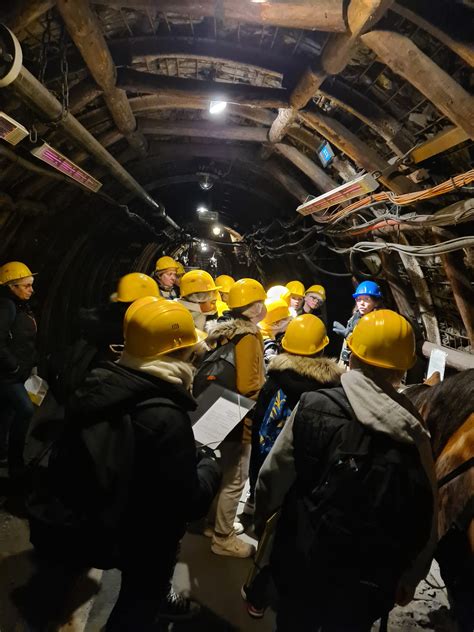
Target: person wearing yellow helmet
[(297, 291), (137, 408), (240, 324), (225, 282), (336, 453), (102, 326), (199, 295), (166, 270), (300, 368), (273, 326), (17, 359), (314, 299)]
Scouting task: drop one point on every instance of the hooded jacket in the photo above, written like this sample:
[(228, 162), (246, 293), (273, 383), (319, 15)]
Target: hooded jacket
[(17, 338), (249, 366), (380, 408), (134, 432)]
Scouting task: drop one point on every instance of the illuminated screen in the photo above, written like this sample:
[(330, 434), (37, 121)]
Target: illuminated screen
[(325, 154), (53, 158)]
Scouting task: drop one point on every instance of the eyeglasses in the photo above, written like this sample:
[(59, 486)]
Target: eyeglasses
[(26, 286)]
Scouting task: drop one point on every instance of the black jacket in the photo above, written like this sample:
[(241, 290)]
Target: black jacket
[(103, 326), (17, 338), (130, 435)]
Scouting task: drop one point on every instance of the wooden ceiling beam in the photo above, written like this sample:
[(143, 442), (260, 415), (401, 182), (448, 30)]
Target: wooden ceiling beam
[(370, 113), (323, 15), (307, 166), (84, 28), (363, 155), (361, 15), (404, 58), (147, 82), (443, 21), (23, 13), (200, 129)]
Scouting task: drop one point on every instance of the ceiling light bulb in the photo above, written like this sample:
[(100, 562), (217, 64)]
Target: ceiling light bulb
[(216, 230), (203, 247), (202, 209), (216, 107)]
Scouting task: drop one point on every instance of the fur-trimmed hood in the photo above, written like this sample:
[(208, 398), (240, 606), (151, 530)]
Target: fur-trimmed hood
[(296, 375), (323, 370), (228, 329)]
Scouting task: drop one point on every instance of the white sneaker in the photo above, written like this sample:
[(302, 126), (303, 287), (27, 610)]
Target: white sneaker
[(209, 530), (231, 546)]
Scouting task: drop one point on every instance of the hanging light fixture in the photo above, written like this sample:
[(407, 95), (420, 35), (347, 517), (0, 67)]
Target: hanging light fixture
[(216, 107)]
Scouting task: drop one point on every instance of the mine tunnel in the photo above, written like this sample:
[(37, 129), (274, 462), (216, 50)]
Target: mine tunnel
[(329, 141)]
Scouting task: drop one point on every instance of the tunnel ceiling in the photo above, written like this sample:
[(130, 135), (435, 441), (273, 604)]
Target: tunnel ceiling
[(387, 84)]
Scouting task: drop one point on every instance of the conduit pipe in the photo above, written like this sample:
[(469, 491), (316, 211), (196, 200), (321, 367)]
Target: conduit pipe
[(29, 89)]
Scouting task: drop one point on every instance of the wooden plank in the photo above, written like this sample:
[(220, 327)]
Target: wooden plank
[(363, 155), (367, 111), (325, 15), (147, 82), (320, 178), (84, 28), (405, 59), (443, 141), (448, 22), (200, 129)]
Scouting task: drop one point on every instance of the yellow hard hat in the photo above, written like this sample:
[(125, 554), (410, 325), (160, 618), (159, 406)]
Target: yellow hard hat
[(136, 305), (316, 289), (225, 282), (296, 288), (197, 281), (13, 271), (277, 309), (305, 335), (165, 263), (135, 285), (180, 269), (244, 292), (278, 291), (385, 339), (221, 307), (159, 328)]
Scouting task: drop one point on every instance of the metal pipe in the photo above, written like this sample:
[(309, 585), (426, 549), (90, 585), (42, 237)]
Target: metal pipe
[(28, 88)]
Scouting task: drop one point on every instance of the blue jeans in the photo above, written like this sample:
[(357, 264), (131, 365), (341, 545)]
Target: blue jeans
[(16, 411)]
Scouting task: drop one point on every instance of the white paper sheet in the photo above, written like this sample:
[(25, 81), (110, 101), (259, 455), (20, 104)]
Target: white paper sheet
[(437, 363), (216, 423)]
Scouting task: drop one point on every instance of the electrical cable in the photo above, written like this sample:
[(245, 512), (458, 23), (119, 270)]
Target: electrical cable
[(429, 250)]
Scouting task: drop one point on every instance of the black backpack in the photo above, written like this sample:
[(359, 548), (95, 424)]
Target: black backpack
[(218, 367), (370, 513)]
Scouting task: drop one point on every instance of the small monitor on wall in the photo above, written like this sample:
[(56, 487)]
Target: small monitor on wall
[(325, 154)]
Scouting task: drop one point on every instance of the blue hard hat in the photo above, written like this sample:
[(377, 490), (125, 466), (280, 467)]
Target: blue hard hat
[(368, 288)]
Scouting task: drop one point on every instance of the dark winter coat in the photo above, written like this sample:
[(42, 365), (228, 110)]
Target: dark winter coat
[(295, 375), (103, 326), (17, 338), (148, 460)]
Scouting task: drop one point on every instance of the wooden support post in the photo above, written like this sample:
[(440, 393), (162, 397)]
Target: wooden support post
[(280, 126), (200, 129), (307, 166), (404, 58), (445, 21), (177, 87), (458, 278), (361, 14), (325, 15), (84, 29), (358, 151)]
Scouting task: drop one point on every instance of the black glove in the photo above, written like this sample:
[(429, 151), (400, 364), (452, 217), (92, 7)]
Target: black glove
[(339, 329), (205, 452)]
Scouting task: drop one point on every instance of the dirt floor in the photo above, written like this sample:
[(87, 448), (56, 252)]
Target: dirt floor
[(214, 581)]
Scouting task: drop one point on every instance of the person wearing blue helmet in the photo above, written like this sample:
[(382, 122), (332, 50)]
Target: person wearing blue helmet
[(368, 297)]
